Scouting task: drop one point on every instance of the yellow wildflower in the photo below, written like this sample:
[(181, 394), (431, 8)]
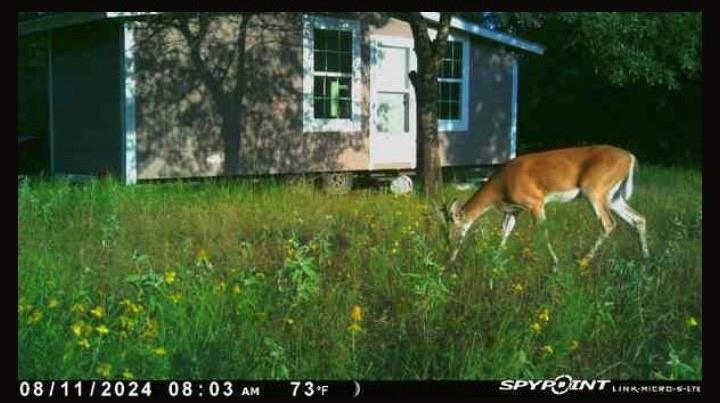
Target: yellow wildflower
[(127, 374), (236, 289), (175, 297), (170, 277), (84, 343), (583, 263), (356, 313), (548, 349), (159, 351), (574, 345), (151, 328), (126, 322), (104, 370), (77, 328), (220, 287), (354, 327), (535, 327), (54, 302), (518, 288), (136, 308), (35, 316), (102, 329), (544, 315), (98, 311), (691, 321)]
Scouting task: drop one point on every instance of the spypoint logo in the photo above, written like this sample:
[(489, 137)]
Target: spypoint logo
[(560, 385)]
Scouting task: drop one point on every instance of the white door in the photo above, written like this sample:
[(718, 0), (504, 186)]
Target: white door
[(392, 103)]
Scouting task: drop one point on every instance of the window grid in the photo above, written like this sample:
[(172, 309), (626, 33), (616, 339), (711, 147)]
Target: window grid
[(332, 74), (450, 82)]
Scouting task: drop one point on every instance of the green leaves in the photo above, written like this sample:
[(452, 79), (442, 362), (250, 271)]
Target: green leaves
[(659, 49)]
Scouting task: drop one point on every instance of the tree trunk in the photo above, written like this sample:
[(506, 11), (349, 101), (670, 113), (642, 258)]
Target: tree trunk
[(429, 52), (231, 140), (428, 133)]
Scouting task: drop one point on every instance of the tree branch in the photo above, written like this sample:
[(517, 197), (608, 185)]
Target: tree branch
[(240, 76), (441, 38)]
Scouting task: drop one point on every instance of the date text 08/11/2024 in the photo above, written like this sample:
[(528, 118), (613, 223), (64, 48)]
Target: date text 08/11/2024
[(136, 389)]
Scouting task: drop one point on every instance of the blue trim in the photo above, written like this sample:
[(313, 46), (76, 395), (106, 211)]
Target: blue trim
[(487, 33), (128, 105), (513, 122)]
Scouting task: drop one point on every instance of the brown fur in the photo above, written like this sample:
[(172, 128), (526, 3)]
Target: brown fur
[(523, 183)]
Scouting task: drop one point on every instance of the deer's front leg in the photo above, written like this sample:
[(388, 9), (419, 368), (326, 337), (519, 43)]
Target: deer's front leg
[(507, 227)]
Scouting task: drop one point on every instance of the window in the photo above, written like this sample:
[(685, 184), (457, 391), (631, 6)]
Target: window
[(450, 82), (453, 79), (331, 61)]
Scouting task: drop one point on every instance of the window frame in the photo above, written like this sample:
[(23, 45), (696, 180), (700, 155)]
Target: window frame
[(458, 125), (310, 123)]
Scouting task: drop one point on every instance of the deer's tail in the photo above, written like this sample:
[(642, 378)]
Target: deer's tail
[(627, 186)]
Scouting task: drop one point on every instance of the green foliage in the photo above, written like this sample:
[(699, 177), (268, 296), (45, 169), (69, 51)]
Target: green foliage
[(243, 281), (659, 49)]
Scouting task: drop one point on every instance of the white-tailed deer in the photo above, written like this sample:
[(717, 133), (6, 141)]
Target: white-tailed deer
[(602, 174)]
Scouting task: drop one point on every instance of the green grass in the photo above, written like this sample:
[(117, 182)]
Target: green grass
[(240, 280)]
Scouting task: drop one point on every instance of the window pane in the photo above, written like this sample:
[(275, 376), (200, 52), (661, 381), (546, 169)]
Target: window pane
[(444, 91), (318, 108), (319, 61), (454, 110), (344, 88), (346, 62), (327, 106), (318, 88), (333, 40), (320, 40), (346, 41), (333, 62)]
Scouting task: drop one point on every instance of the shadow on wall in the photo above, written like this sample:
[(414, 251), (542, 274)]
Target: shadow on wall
[(180, 120), (488, 141)]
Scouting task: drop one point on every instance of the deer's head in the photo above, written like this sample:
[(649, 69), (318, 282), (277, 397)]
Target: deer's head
[(457, 226)]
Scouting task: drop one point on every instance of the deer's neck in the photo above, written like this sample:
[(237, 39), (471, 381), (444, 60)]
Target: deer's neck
[(486, 197)]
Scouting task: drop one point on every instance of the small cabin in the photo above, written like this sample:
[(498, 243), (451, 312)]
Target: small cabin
[(321, 92)]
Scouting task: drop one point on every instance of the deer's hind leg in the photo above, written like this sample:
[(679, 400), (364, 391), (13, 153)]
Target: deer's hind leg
[(632, 217), (599, 202), (538, 211)]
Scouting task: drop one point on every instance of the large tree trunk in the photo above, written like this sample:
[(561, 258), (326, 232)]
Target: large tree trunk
[(431, 169), (429, 53)]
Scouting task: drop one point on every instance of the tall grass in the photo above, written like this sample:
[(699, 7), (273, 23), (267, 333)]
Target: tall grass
[(241, 280)]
